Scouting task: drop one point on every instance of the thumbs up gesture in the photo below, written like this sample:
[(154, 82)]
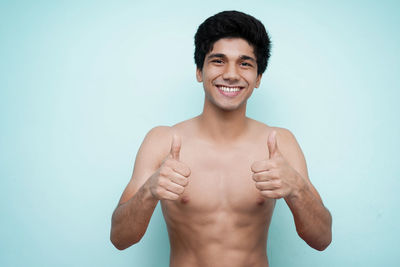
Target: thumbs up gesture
[(274, 177), (169, 181)]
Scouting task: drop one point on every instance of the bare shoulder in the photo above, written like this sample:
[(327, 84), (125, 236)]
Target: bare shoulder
[(283, 136), (158, 136), (287, 145), (264, 130), (159, 139), (156, 145), (291, 150), (153, 150)]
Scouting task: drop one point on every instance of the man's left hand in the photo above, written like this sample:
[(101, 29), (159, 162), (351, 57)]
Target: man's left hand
[(274, 177)]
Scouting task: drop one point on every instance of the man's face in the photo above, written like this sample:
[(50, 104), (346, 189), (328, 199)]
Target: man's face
[(229, 73)]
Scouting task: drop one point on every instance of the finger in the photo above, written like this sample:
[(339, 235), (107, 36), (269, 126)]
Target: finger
[(180, 168), (264, 176), (262, 165), (178, 179), (272, 144), (175, 147), (268, 185), (174, 187), (274, 194), (169, 195)]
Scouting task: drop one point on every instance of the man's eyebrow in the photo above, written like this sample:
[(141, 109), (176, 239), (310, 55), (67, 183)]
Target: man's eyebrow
[(218, 55), (244, 57)]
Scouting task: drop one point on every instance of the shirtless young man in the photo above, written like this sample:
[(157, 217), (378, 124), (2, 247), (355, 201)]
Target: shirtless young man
[(219, 174)]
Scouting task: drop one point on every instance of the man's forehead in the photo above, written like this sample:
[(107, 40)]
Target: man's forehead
[(237, 47)]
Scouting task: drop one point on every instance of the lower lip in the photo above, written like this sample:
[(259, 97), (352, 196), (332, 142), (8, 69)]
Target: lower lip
[(229, 94)]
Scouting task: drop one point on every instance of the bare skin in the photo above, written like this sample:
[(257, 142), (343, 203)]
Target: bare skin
[(218, 176)]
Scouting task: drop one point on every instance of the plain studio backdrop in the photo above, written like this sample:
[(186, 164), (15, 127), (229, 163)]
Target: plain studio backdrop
[(82, 82)]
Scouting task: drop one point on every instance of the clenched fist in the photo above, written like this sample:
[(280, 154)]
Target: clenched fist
[(274, 177), (169, 181)]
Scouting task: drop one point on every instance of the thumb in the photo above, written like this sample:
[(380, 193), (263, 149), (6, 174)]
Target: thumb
[(272, 144), (175, 147)]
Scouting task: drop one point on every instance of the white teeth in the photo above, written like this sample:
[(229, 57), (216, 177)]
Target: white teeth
[(229, 89)]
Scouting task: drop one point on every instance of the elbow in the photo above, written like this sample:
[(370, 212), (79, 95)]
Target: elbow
[(118, 245), (318, 243), (322, 244), (116, 241), (121, 244)]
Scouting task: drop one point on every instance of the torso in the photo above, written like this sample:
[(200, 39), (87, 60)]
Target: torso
[(221, 219)]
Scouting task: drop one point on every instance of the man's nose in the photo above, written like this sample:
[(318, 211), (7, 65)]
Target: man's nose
[(230, 72)]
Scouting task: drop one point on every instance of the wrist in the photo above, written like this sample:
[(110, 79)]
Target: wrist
[(148, 195), (300, 188)]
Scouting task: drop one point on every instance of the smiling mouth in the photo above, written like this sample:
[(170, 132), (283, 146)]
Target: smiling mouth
[(230, 91)]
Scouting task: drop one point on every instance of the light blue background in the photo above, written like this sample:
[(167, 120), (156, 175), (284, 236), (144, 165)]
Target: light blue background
[(82, 83)]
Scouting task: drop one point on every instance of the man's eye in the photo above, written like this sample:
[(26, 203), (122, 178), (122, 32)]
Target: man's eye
[(218, 61), (245, 64)]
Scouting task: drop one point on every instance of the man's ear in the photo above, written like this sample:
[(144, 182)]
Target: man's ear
[(258, 81), (199, 75)]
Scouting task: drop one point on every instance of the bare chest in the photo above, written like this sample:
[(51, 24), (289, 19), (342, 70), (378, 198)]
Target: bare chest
[(221, 180)]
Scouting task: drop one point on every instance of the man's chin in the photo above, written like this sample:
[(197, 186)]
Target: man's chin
[(227, 106), (230, 108)]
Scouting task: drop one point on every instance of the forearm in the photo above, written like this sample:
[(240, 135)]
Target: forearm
[(130, 219), (313, 221)]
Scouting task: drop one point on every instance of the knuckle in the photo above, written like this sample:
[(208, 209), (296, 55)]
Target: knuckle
[(262, 166), (184, 170), (276, 194), (257, 166), (188, 172), (164, 171), (253, 167), (169, 162), (272, 164), (185, 182), (159, 192), (267, 164), (256, 177), (265, 194), (162, 183), (181, 189), (274, 174)]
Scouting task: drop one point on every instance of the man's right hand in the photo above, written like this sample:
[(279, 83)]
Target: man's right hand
[(169, 181)]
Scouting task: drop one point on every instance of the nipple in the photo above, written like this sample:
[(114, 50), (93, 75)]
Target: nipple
[(260, 201), (184, 199)]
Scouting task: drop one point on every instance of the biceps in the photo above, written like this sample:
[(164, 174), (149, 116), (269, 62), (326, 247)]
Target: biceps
[(299, 162), (151, 153), (296, 159), (138, 179), (293, 153)]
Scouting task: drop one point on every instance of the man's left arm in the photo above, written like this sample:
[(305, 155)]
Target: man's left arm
[(284, 175), (313, 221)]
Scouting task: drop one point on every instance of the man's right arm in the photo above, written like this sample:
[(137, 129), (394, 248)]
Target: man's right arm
[(157, 175), (136, 206)]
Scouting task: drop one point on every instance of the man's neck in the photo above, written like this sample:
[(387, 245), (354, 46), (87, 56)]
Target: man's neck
[(223, 126)]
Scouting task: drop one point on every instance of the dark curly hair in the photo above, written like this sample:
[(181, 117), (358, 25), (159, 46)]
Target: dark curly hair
[(232, 24)]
